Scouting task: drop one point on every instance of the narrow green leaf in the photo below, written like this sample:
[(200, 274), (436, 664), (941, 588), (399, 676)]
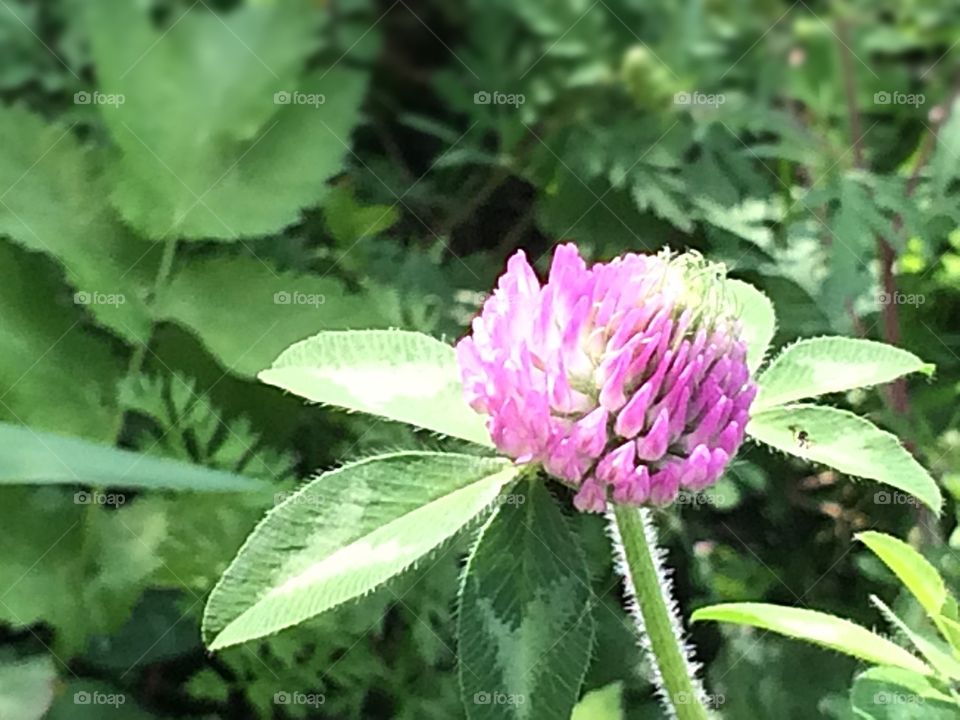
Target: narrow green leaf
[(403, 376), (816, 366), (847, 442), (939, 660), (344, 534), (891, 693), (815, 627), (30, 456), (759, 320), (951, 631), (525, 630), (915, 572)]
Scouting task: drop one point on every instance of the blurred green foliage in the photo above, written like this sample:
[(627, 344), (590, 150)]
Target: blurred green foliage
[(188, 188)]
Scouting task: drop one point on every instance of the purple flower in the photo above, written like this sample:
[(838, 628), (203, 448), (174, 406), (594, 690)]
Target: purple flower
[(626, 380)]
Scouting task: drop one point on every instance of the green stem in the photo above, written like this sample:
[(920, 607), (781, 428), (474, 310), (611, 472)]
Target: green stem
[(139, 354), (134, 366), (634, 539)]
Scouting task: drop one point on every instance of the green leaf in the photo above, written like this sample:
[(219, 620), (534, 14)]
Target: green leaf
[(759, 320), (891, 693), (404, 376), (27, 687), (54, 375), (832, 364), (951, 631), (350, 222), (847, 442), (851, 248), (205, 148), (915, 572), (604, 703), (53, 203), (344, 534), (39, 458), (103, 554), (939, 660), (943, 163), (247, 313), (525, 629), (815, 627)]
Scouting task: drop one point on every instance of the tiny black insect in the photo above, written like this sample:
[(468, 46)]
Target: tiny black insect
[(802, 436)]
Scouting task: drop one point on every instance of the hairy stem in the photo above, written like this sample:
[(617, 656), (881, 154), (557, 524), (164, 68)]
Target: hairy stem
[(634, 539)]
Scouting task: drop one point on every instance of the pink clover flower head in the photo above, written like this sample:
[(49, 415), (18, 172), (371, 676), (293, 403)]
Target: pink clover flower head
[(626, 380)]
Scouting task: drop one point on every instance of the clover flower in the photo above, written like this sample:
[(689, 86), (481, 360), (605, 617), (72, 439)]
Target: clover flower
[(626, 380)]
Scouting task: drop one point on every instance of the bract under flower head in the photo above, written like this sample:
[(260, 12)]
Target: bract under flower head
[(626, 380)]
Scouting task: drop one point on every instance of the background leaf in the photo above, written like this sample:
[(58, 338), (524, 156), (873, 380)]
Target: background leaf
[(44, 344), (26, 687), (278, 308), (232, 161), (39, 458), (890, 693), (53, 202)]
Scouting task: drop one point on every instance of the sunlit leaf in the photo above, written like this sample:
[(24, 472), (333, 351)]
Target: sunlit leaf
[(940, 660), (759, 320), (815, 627), (832, 364), (914, 571), (847, 442), (344, 534), (402, 376)]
